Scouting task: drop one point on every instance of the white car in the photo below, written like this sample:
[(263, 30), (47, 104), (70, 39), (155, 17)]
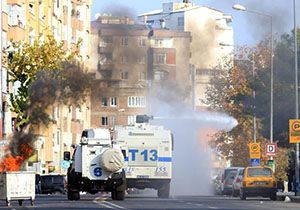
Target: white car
[(237, 182)]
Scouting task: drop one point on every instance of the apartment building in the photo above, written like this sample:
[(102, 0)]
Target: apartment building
[(128, 59), (212, 39), (68, 21)]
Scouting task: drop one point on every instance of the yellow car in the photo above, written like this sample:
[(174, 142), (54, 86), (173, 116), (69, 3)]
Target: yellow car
[(258, 181)]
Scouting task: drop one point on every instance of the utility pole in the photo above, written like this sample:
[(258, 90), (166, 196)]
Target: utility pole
[(296, 98)]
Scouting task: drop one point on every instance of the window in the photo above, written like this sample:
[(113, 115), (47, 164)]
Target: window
[(124, 59), (113, 101), (142, 59), (206, 72), (104, 121), (142, 42), (136, 101), (124, 75), (106, 40), (159, 58), (180, 21), (112, 121), (131, 119), (104, 102), (124, 41), (142, 76), (160, 75)]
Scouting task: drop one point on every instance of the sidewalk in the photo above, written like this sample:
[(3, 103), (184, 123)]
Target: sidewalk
[(282, 195)]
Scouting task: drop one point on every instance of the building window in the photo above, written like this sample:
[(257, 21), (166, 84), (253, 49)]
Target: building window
[(124, 59), (104, 121), (104, 102), (131, 119), (180, 21), (142, 59), (106, 57), (160, 76), (142, 42), (113, 121), (159, 42), (206, 72), (142, 76), (106, 40), (160, 58), (113, 101), (124, 75), (124, 41), (136, 101)]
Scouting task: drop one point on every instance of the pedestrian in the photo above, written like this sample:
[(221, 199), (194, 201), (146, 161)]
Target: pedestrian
[(280, 185)]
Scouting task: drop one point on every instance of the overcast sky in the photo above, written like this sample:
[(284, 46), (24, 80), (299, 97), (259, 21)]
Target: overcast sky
[(248, 28)]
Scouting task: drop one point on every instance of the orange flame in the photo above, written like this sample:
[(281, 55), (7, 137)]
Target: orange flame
[(11, 163)]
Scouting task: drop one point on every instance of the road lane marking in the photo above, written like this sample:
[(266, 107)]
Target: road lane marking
[(115, 205), (102, 202)]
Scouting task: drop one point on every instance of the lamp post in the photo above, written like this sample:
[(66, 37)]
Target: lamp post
[(242, 8), (296, 98)]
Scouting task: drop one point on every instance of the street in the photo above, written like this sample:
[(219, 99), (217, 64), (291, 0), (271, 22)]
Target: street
[(150, 202)]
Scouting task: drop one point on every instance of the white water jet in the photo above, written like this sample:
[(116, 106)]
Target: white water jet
[(192, 166)]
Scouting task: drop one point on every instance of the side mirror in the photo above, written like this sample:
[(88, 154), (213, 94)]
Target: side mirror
[(67, 155)]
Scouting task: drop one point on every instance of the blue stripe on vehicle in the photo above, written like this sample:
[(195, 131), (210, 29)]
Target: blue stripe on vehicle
[(160, 159), (164, 159)]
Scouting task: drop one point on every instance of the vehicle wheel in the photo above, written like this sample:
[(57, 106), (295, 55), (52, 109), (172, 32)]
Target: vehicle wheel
[(164, 192), (32, 202), (73, 195), (242, 195), (20, 202), (118, 195), (113, 195), (273, 197)]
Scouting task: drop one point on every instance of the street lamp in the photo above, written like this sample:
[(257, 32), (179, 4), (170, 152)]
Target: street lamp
[(242, 8)]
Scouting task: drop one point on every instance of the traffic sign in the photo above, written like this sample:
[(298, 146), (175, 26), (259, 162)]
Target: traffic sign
[(254, 149), (294, 131), (271, 149), (255, 162)]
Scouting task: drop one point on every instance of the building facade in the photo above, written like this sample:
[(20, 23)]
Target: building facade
[(128, 60), (212, 39), (69, 22)]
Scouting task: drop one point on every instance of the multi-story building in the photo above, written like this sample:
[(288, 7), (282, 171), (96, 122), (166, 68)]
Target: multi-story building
[(212, 39), (125, 58), (68, 21)]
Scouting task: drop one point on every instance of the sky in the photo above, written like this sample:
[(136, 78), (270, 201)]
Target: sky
[(248, 28)]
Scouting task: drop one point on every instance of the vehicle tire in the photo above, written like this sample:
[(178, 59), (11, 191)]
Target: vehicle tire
[(7, 202), (113, 195), (120, 195), (32, 202), (242, 195), (164, 192), (20, 202), (273, 197), (73, 195)]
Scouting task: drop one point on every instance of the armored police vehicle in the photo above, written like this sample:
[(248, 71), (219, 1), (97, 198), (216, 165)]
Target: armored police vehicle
[(96, 166), (148, 155)]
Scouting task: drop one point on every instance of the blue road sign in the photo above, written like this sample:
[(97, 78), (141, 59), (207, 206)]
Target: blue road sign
[(255, 162)]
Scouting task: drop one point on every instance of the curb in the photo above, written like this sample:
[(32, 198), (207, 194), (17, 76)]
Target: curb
[(293, 198)]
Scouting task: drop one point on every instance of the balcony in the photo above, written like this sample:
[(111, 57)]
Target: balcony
[(105, 49), (105, 66)]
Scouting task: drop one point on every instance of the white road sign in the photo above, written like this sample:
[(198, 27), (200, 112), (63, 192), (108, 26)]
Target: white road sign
[(271, 149)]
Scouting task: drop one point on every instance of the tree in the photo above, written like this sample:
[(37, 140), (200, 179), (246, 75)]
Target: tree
[(25, 64)]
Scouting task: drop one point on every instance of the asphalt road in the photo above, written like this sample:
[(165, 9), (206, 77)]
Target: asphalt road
[(148, 202)]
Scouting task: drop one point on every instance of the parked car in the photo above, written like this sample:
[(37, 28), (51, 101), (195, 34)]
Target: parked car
[(237, 182), (258, 181), (227, 186), (227, 182), (53, 184)]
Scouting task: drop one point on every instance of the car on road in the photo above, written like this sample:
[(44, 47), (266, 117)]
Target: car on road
[(53, 184), (227, 180), (258, 181), (237, 182)]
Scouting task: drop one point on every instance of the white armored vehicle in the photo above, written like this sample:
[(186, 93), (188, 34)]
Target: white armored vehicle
[(148, 155), (96, 166)]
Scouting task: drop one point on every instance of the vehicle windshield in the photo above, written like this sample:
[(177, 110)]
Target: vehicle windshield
[(254, 172)]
